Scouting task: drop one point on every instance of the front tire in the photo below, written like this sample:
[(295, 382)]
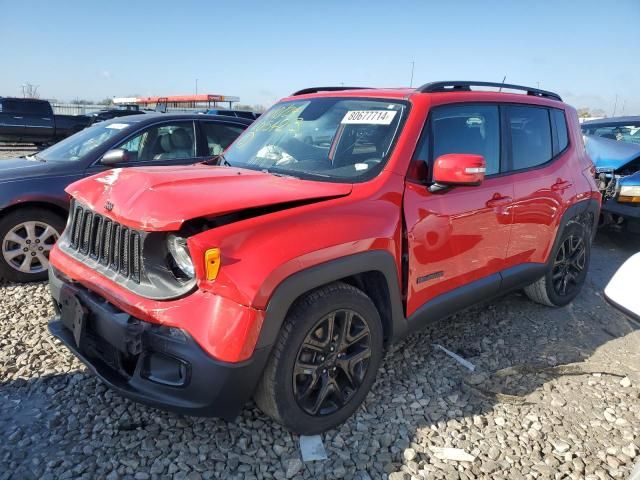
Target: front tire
[(567, 270), (26, 238), (325, 360)]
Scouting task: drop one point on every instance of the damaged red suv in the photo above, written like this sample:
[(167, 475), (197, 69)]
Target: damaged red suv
[(340, 221)]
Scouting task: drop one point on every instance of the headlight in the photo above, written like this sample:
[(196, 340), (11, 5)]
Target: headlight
[(178, 248), (629, 193)]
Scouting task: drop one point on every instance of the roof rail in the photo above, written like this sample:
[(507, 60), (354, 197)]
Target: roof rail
[(304, 91), (465, 86)]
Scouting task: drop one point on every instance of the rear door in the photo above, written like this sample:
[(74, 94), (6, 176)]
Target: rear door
[(38, 120), (459, 235), (542, 179), (11, 121)]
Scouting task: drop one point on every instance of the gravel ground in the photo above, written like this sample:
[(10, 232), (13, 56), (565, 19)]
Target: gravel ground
[(556, 394)]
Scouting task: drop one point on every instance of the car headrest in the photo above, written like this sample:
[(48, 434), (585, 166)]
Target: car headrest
[(165, 143), (181, 139)]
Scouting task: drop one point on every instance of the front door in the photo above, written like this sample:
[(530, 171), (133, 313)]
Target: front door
[(460, 235)]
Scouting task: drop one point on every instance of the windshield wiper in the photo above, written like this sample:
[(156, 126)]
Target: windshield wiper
[(35, 157), (218, 160), (278, 174), (299, 174)]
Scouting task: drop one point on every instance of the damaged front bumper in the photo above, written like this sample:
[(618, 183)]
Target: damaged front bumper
[(150, 363)]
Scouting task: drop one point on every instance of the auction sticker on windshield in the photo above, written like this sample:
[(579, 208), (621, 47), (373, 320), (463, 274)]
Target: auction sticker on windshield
[(117, 126), (369, 117)]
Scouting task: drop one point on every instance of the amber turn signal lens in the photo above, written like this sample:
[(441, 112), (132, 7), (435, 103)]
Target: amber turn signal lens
[(212, 263), (629, 199)]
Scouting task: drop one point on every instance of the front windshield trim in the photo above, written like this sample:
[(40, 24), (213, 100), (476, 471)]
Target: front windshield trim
[(305, 175)]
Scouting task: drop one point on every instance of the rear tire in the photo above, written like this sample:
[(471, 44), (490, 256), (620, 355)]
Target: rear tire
[(325, 360), (26, 238), (567, 269)]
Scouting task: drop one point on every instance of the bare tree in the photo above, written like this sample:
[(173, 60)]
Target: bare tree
[(30, 90)]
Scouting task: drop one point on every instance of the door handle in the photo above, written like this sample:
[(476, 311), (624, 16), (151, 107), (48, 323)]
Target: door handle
[(46, 118), (18, 118), (561, 185), (498, 201)]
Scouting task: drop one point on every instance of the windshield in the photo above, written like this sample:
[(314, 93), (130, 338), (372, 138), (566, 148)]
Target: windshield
[(621, 133), (343, 139), (83, 142)]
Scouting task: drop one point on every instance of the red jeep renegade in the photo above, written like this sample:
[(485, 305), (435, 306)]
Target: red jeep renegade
[(340, 221)]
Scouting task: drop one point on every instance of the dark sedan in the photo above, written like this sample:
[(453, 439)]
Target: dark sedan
[(33, 203)]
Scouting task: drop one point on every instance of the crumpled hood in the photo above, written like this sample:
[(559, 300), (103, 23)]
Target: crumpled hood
[(610, 154), (162, 198)]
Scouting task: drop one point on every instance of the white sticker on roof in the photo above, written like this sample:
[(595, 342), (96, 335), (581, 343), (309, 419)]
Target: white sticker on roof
[(369, 117), (117, 126)]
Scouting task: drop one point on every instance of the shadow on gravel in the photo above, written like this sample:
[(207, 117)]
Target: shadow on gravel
[(70, 425)]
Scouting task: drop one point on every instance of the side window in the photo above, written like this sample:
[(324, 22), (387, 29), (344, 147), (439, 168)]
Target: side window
[(466, 129), (9, 106), (530, 136), (219, 136), (162, 142), (560, 124), (35, 108)]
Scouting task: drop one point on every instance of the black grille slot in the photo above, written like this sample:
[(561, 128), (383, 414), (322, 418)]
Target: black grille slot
[(105, 249), (96, 234), (115, 246), (126, 256), (135, 256), (116, 254), (86, 231), (76, 224)]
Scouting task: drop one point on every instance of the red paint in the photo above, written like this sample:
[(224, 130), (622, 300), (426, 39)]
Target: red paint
[(459, 169), (466, 232)]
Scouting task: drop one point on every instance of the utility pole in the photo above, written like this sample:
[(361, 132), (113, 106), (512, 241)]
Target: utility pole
[(615, 106), (413, 64), (196, 86)]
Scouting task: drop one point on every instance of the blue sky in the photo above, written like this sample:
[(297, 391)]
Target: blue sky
[(261, 51)]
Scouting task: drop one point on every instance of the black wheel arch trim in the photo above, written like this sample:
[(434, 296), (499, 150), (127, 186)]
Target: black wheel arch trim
[(303, 281)]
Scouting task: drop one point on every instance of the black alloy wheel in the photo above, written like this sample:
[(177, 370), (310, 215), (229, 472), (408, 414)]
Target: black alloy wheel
[(332, 362), (568, 265)]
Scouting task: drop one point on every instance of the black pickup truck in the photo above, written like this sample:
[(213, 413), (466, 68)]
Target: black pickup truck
[(27, 120)]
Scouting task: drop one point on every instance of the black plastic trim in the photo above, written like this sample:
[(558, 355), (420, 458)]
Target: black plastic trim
[(465, 86), (211, 387), (306, 91), (299, 283)]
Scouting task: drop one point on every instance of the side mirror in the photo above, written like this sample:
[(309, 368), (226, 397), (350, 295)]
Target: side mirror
[(459, 169), (622, 290), (116, 155)]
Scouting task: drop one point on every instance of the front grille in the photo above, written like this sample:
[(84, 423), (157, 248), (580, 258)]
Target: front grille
[(115, 246)]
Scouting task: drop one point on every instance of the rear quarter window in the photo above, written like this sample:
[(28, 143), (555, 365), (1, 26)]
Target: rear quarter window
[(530, 130), (560, 123)]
